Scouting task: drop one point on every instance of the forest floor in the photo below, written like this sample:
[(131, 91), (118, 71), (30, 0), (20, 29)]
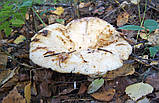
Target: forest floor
[(21, 80)]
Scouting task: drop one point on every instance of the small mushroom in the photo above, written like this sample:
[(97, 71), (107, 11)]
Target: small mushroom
[(88, 46)]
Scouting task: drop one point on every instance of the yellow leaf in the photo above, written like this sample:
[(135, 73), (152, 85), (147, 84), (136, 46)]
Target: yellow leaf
[(144, 36), (19, 39), (122, 19), (27, 92), (59, 10)]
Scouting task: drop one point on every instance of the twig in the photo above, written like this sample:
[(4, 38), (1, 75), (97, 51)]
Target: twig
[(53, 5), (38, 17), (143, 61), (15, 59), (109, 13)]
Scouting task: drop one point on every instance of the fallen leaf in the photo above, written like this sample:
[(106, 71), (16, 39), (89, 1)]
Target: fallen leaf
[(144, 100), (95, 85), (52, 18), (34, 89), (144, 36), (4, 74), (84, 5), (153, 80), (67, 91), (9, 75), (126, 69), (137, 90), (122, 19), (44, 89), (27, 92), (104, 95), (154, 63), (82, 89), (154, 38), (19, 39), (138, 45), (13, 97), (135, 1), (59, 11), (42, 74), (3, 60)]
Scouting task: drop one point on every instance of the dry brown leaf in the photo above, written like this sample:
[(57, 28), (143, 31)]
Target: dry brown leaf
[(27, 92), (3, 60), (104, 95), (153, 80), (8, 76), (4, 74), (122, 19), (126, 69), (83, 88), (154, 38), (34, 89), (52, 18), (13, 97), (44, 89)]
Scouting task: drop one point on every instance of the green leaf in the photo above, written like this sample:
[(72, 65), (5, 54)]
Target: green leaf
[(7, 31), (20, 16), (95, 85), (153, 50), (27, 4), (150, 24), (6, 13), (38, 1), (3, 19), (17, 22), (60, 20), (131, 27), (43, 12)]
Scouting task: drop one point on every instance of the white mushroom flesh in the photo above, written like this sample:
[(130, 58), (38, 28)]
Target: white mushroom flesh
[(88, 46)]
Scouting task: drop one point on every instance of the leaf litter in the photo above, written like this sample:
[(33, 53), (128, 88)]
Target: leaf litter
[(47, 85)]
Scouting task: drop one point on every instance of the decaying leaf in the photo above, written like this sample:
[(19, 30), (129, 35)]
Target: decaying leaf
[(135, 1), (10, 74), (154, 38), (3, 60), (95, 85), (59, 10), (104, 95), (144, 100), (13, 97), (19, 39), (52, 18), (144, 36), (4, 74), (153, 80), (27, 92), (44, 89), (82, 89), (137, 90), (122, 19), (126, 69)]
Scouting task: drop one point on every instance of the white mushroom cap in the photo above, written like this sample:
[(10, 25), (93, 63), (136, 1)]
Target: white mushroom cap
[(88, 46)]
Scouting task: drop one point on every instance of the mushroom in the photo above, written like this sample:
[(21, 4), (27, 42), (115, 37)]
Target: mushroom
[(88, 46)]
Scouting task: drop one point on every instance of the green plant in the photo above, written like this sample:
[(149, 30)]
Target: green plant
[(12, 14), (150, 25)]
